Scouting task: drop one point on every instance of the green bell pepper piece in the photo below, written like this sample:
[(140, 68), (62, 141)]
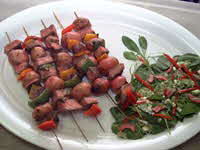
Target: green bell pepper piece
[(72, 82)]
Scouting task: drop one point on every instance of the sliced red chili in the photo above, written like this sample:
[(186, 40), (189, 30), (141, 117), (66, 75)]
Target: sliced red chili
[(169, 69), (194, 98), (163, 116), (94, 110), (172, 60), (190, 74), (141, 102), (131, 96), (158, 108), (142, 59), (188, 90), (145, 83), (168, 92), (151, 78), (183, 77), (68, 29), (47, 125), (161, 77)]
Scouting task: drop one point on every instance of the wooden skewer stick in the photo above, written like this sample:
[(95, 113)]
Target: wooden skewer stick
[(8, 37), (58, 20), (83, 134), (57, 139), (76, 15), (59, 23), (25, 31), (44, 25)]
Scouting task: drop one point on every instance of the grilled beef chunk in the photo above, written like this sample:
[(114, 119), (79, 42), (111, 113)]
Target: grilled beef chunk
[(106, 64), (51, 39), (18, 56), (20, 67), (88, 101), (60, 94), (43, 60), (81, 23), (70, 36), (81, 90), (30, 78), (93, 73), (115, 71), (63, 59), (37, 52), (54, 83), (41, 112), (100, 51), (93, 60), (33, 43), (79, 47), (35, 91), (117, 83), (47, 71), (85, 31), (69, 105), (95, 43), (100, 86), (51, 30), (16, 44)]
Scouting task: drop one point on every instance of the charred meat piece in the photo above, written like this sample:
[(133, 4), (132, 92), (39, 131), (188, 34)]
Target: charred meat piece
[(51, 30), (56, 47), (35, 91), (51, 39), (88, 101), (54, 83), (95, 43), (106, 64), (37, 52), (77, 59), (20, 67), (93, 59), (81, 23), (70, 36), (30, 44), (81, 90), (60, 94), (30, 78), (100, 86), (42, 111), (69, 105), (117, 83), (79, 47), (16, 44), (93, 73), (100, 51), (85, 31), (115, 71), (18, 56), (47, 70), (43, 60), (63, 59)]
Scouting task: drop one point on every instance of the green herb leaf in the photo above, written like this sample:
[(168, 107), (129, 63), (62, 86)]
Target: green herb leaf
[(143, 71), (162, 63), (190, 108), (130, 55), (130, 44), (116, 114), (143, 42)]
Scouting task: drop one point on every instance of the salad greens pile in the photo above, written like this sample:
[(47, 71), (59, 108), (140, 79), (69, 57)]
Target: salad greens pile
[(162, 93)]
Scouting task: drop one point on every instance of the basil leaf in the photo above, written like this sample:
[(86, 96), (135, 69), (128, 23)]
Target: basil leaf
[(156, 97), (143, 71), (130, 44), (143, 42), (188, 56), (155, 129), (115, 127), (189, 108), (130, 55), (162, 63)]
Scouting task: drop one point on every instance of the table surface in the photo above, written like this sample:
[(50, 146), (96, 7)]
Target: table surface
[(186, 14)]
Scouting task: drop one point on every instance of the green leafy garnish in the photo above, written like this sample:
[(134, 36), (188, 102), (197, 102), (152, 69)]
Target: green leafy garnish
[(130, 55)]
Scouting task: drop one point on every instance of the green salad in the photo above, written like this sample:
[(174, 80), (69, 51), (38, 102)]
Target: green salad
[(163, 91)]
